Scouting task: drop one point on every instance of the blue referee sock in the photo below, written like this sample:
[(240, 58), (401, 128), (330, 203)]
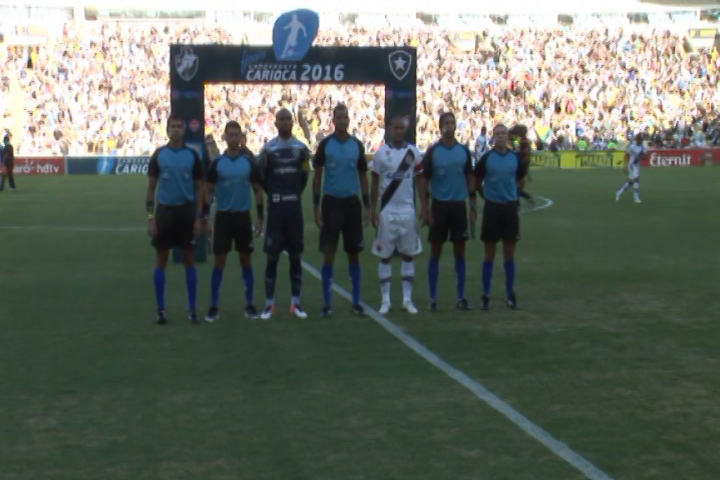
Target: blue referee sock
[(159, 281), (327, 278), (460, 273), (487, 276), (249, 278), (433, 274), (509, 277), (191, 283), (215, 282), (354, 269)]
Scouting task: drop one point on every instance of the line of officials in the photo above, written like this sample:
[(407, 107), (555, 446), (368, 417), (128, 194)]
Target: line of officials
[(178, 207)]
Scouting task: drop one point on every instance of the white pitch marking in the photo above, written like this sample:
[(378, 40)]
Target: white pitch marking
[(554, 445), (547, 203)]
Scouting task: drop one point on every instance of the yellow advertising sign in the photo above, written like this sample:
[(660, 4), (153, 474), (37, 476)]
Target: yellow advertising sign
[(702, 32), (545, 159), (578, 159), (572, 159), (592, 159)]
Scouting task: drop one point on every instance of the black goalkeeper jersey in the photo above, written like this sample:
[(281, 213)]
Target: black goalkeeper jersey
[(284, 165)]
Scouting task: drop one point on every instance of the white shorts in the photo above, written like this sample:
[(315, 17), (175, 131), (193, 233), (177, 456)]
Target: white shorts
[(397, 230), (634, 171)]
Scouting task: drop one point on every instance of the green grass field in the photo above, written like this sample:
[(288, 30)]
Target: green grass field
[(615, 351)]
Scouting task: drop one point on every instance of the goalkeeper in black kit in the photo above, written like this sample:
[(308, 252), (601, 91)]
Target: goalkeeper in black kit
[(284, 163), (520, 143)]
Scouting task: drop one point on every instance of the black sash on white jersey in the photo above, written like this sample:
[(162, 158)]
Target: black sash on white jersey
[(398, 177)]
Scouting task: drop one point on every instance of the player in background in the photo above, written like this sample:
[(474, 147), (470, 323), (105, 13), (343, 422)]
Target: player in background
[(394, 168), (499, 176), (521, 144), (232, 179), (176, 173), (284, 163), (482, 145), (449, 181), (635, 153), (7, 159), (341, 158)]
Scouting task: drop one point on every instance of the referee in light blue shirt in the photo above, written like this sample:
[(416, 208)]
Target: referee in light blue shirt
[(499, 175), (233, 178), (341, 157), (447, 173), (176, 173)]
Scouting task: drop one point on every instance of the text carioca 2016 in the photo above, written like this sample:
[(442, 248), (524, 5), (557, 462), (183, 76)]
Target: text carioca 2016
[(265, 75)]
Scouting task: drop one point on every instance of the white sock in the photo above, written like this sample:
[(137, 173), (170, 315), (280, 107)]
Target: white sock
[(636, 186), (385, 274), (295, 301), (408, 277), (625, 186)]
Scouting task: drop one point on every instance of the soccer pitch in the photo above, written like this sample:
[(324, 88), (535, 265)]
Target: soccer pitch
[(615, 352)]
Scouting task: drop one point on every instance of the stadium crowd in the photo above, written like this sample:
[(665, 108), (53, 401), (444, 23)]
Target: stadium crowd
[(104, 88)]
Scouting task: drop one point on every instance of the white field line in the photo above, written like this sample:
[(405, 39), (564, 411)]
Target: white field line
[(521, 421)]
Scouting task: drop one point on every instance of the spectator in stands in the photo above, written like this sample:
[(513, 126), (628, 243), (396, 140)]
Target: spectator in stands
[(103, 88)]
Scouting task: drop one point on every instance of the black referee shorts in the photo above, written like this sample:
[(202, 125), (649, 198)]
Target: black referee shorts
[(500, 222), (450, 218), (342, 215), (232, 227), (175, 226)]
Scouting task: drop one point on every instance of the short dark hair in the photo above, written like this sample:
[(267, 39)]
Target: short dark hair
[(6, 139), (444, 115), (174, 117), (285, 110), (339, 108), (518, 131), (232, 124)]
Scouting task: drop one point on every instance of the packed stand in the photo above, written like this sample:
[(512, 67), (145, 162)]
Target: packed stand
[(104, 88)]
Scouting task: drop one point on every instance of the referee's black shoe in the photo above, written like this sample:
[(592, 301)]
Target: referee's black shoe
[(485, 302), (192, 316), (213, 315), (251, 312), (358, 310), (511, 302), (161, 318), (463, 304)]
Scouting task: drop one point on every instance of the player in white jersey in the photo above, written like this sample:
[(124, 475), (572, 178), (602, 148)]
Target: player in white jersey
[(394, 168), (482, 145), (635, 153)]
